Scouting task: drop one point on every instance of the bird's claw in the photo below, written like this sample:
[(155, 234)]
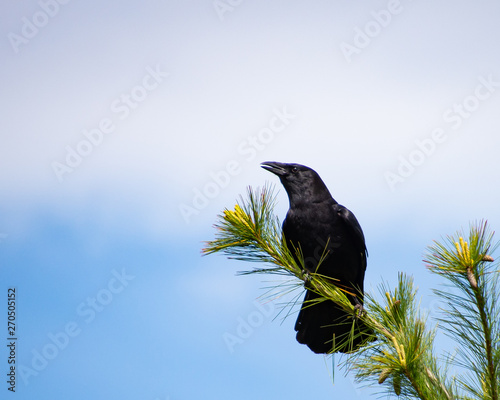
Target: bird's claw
[(359, 310), (306, 277)]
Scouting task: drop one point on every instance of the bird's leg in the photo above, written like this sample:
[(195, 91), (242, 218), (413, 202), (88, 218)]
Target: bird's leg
[(306, 277), (358, 307)]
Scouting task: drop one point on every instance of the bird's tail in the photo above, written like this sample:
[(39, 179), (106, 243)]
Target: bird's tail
[(325, 328)]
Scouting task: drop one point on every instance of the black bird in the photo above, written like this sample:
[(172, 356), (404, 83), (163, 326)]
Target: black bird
[(315, 221)]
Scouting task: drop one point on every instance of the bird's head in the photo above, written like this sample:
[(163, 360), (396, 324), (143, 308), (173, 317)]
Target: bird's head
[(301, 183)]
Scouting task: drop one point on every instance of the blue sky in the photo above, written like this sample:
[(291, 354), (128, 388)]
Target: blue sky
[(126, 128)]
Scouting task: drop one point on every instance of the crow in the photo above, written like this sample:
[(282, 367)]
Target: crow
[(315, 223)]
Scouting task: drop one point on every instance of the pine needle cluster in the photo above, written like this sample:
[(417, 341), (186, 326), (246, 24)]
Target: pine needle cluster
[(471, 312)]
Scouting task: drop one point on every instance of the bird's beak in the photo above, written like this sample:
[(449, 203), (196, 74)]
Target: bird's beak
[(274, 167)]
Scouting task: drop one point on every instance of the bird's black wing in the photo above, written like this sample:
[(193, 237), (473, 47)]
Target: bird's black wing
[(352, 225)]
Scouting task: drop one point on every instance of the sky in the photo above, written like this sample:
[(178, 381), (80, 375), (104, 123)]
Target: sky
[(128, 126)]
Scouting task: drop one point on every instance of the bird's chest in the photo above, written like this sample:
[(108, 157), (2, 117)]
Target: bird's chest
[(314, 229)]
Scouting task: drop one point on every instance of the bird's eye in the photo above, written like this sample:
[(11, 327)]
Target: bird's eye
[(295, 170)]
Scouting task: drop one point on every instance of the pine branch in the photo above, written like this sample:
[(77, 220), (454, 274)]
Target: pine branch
[(401, 357), (472, 314)]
